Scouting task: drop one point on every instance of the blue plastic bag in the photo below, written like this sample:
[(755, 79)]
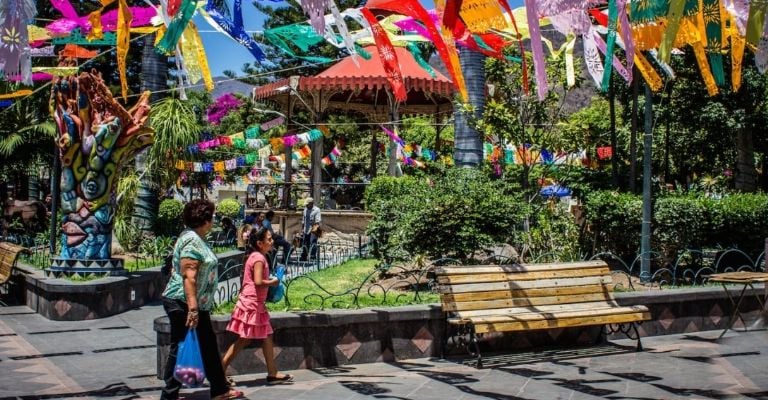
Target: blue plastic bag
[(275, 294), (189, 368)]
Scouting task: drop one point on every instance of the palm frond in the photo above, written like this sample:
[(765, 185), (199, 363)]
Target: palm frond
[(46, 129), (8, 144)]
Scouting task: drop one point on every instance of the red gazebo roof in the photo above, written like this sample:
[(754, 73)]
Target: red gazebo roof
[(345, 75)]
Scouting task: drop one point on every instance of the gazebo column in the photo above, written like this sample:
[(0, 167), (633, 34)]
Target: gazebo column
[(320, 100), (288, 153)]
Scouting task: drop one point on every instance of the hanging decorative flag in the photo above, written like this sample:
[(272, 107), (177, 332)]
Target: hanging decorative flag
[(234, 28), (604, 152), (272, 123), (16, 94), (481, 16), (6, 103), (14, 39), (315, 9), (46, 51), (76, 37), (170, 39), (195, 60), (349, 44), (388, 56), (446, 49), (74, 51)]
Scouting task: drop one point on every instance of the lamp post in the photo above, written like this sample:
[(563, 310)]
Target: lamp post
[(645, 235)]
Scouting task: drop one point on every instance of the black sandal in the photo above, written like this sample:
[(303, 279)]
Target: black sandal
[(273, 380)]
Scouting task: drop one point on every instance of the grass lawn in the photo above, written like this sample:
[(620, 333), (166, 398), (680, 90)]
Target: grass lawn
[(339, 286)]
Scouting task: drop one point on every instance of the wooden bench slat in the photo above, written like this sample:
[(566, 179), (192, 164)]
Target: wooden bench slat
[(562, 322), (535, 316), (553, 308), (537, 284), (525, 293), (522, 302), (484, 269), (523, 276), (9, 252)]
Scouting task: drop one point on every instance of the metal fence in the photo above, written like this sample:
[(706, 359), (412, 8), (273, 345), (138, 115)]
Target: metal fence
[(325, 255)]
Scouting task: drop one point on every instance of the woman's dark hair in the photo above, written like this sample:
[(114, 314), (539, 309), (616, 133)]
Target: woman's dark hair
[(269, 215), (197, 212), (256, 235)]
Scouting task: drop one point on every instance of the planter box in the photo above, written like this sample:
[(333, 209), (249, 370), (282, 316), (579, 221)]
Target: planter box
[(332, 338)]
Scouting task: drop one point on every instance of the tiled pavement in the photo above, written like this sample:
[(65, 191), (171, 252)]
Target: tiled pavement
[(114, 358)]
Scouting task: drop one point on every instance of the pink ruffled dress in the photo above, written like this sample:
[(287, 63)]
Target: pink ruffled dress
[(250, 319)]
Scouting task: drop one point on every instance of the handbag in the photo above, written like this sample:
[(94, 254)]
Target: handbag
[(189, 369), (275, 294)]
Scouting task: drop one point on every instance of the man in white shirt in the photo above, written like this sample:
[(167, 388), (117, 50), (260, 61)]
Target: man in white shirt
[(310, 228)]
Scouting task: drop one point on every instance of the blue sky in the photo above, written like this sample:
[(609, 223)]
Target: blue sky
[(225, 54)]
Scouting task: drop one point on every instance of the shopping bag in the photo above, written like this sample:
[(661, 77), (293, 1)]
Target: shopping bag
[(275, 294), (189, 368)]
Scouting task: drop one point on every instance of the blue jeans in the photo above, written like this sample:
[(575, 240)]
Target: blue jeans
[(309, 246)]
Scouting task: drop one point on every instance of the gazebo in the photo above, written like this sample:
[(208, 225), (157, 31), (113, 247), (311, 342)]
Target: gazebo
[(346, 86)]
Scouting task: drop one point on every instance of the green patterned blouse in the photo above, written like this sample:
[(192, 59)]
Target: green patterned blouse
[(190, 245)]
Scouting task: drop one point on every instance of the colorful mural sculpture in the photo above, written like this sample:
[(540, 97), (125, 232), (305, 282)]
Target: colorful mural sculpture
[(96, 135)]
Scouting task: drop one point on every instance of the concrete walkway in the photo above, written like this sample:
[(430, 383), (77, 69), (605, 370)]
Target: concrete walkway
[(114, 358)]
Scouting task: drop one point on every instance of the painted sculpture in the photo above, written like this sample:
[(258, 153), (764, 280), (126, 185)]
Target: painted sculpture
[(96, 135)]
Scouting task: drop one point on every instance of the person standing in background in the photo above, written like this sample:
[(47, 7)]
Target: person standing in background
[(310, 228), (279, 240)]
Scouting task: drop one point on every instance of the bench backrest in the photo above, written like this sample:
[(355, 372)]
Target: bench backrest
[(8, 254), (467, 290)]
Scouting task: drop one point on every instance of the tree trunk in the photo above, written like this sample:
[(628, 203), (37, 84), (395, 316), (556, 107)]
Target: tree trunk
[(746, 174), (374, 154), (154, 77), (468, 149)]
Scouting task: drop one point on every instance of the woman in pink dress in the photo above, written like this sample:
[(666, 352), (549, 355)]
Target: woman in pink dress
[(250, 318)]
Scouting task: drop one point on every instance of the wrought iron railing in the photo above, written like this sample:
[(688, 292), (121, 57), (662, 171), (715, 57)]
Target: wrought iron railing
[(327, 254)]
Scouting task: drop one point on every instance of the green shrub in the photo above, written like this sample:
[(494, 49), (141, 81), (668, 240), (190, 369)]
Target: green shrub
[(228, 208), (450, 216), (615, 220), (169, 217), (387, 199), (553, 236), (679, 222), (740, 222), (128, 234)]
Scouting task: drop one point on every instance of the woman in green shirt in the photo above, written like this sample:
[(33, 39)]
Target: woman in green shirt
[(188, 300)]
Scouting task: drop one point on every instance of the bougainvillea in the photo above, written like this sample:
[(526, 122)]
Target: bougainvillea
[(221, 107)]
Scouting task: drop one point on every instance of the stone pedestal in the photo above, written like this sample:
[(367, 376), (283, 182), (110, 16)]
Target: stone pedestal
[(85, 268)]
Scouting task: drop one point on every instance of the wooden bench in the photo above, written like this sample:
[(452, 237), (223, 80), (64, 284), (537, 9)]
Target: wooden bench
[(9, 254), (506, 298)]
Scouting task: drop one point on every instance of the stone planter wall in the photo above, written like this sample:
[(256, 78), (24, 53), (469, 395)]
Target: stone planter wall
[(333, 338), (65, 300)]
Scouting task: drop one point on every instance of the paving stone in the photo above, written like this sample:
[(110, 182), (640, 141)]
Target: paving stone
[(114, 358)]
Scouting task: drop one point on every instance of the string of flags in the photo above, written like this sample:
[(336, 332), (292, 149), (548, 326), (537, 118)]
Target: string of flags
[(249, 140), (618, 36)]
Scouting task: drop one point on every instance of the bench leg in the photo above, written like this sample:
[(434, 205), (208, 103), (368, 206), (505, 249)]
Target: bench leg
[(474, 343), (444, 346), (639, 344)]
